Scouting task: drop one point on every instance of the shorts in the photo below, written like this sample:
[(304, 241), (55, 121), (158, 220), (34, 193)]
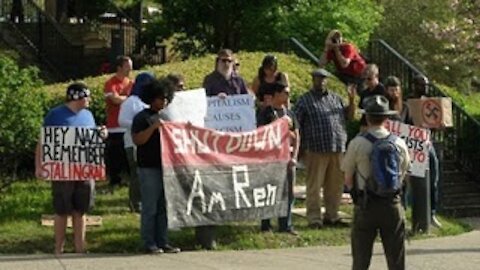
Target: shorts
[(72, 196)]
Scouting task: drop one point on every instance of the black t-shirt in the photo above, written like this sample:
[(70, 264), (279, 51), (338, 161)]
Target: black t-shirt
[(378, 90), (270, 114), (267, 88), (148, 154)]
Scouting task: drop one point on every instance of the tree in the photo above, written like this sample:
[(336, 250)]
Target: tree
[(206, 26), (440, 36)]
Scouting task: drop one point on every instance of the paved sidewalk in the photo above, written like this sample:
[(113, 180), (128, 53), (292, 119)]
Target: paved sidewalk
[(457, 252)]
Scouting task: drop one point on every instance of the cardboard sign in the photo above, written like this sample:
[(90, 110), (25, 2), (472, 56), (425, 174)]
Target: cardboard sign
[(231, 114), (417, 140), (72, 153), (213, 177), (431, 112)]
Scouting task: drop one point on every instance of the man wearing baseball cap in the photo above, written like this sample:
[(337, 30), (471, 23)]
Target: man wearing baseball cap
[(70, 197), (322, 116), (373, 211)]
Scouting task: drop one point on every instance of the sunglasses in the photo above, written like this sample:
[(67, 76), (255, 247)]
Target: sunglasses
[(226, 60)]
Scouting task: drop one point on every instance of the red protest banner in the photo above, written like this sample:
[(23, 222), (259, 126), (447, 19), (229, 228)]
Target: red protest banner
[(212, 177), (199, 146)]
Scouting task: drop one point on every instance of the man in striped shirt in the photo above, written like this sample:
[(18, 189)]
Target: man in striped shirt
[(322, 116)]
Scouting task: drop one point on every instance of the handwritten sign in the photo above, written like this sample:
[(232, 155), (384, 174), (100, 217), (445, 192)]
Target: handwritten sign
[(188, 106), (417, 140), (231, 114), (431, 112), (72, 154)]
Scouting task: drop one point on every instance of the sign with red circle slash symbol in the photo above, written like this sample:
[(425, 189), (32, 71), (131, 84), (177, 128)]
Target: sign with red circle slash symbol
[(432, 112)]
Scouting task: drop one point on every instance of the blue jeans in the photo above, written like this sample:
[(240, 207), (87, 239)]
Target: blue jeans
[(153, 223), (284, 223)]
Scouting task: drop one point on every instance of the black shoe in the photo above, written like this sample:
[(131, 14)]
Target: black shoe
[(315, 225), (266, 229), (290, 231), (170, 249), (339, 223), (153, 250)]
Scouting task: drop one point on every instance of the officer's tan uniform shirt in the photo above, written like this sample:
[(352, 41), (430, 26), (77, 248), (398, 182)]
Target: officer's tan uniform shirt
[(357, 158)]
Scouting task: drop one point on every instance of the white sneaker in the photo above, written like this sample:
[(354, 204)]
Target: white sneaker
[(435, 222)]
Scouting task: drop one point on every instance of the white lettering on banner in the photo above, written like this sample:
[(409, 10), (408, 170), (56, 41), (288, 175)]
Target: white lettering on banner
[(197, 191), (259, 196), (191, 141), (186, 141), (215, 199), (238, 186), (264, 196)]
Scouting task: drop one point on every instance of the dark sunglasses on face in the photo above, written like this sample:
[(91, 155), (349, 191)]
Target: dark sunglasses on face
[(226, 61)]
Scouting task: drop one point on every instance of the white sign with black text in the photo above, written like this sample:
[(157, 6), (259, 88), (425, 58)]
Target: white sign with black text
[(231, 113), (417, 140)]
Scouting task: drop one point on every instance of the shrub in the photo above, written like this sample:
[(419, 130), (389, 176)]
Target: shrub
[(22, 106)]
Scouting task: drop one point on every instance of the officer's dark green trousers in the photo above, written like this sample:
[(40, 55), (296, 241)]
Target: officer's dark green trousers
[(384, 216)]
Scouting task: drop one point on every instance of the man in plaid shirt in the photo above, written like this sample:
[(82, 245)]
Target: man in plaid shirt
[(322, 116)]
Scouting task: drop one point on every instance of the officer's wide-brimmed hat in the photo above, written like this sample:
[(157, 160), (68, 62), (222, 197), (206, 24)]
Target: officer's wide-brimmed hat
[(376, 105)]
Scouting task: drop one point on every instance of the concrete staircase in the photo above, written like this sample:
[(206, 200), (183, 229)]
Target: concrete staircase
[(458, 195)]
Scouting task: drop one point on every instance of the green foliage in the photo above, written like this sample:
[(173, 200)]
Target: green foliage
[(194, 71), (440, 36), (22, 108), (206, 26)]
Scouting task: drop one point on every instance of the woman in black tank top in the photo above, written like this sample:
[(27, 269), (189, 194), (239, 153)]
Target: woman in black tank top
[(268, 74)]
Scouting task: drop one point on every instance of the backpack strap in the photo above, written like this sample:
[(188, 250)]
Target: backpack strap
[(373, 139), (369, 137)]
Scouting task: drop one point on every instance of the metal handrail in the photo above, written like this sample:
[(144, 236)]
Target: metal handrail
[(46, 38), (304, 50), (460, 142)]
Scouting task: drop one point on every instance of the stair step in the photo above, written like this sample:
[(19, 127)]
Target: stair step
[(455, 176), (462, 210), (471, 198), (449, 165), (459, 188)]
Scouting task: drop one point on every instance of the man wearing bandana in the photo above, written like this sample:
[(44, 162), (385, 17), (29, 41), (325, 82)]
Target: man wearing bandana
[(70, 197)]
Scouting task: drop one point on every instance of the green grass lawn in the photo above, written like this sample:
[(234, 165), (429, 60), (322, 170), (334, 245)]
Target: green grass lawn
[(22, 205)]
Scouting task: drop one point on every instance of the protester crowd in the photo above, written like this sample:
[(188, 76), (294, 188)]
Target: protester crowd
[(318, 137)]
